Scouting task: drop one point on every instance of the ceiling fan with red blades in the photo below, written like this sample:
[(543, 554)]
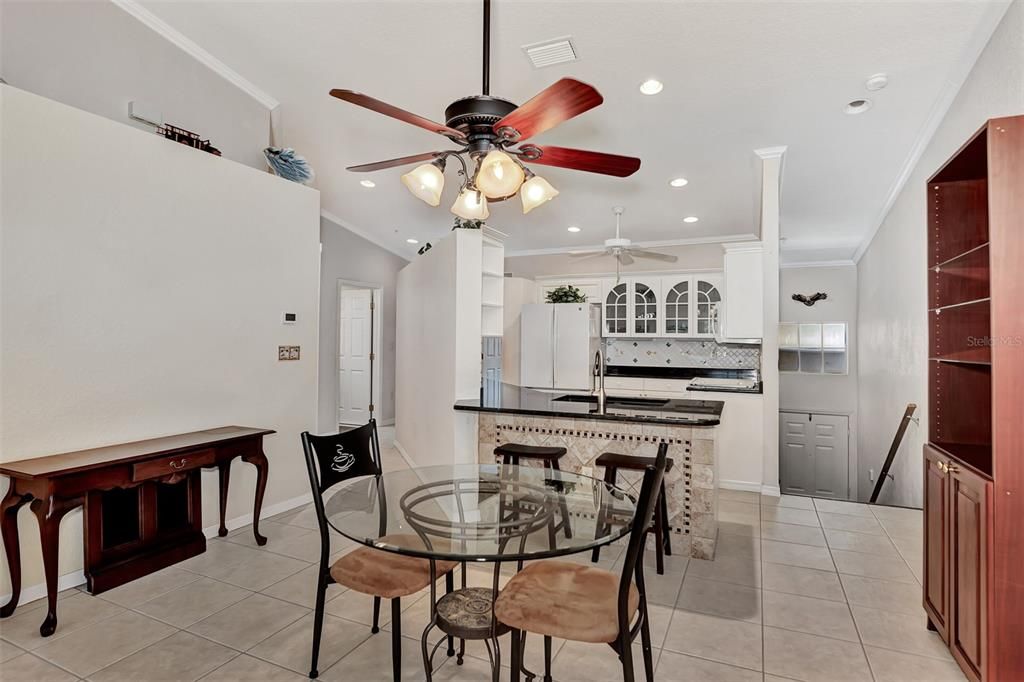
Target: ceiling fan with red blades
[(492, 133)]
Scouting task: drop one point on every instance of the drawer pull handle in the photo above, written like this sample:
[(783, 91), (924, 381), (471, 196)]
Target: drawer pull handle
[(179, 465)]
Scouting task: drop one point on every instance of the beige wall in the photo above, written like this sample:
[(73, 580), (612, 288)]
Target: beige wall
[(97, 57), (892, 298), (141, 290), (347, 256)]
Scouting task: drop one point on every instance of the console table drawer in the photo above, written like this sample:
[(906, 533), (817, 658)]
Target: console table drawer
[(173, 464)]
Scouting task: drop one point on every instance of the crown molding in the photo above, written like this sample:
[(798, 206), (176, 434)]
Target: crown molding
[(692, 241), (943, 103), (362, 233), (193, 49)]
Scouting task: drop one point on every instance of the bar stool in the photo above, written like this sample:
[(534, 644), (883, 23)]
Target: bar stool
[(511, 453), (612, 462)]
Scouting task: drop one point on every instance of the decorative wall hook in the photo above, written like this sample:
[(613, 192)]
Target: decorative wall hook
[(810, 300)]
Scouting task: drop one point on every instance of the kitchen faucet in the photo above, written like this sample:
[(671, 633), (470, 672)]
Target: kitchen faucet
[(599, 380)]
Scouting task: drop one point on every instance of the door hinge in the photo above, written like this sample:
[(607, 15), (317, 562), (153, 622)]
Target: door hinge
[(372, 304), (373, 356), (371, 407)]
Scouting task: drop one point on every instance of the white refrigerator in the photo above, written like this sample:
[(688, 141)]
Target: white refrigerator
[(558, 344)]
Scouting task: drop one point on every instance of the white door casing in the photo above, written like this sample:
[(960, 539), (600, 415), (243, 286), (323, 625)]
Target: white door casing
[(355, 354)]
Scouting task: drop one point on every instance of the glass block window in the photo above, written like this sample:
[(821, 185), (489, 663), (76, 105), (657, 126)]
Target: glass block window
[(615, 314), (708, 298), (813, 348), (677, 309), (645, 310)]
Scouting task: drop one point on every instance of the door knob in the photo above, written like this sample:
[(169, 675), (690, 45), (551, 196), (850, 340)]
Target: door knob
[(952, 468)]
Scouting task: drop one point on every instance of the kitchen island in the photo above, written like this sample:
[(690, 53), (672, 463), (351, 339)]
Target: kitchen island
[(628, 425)]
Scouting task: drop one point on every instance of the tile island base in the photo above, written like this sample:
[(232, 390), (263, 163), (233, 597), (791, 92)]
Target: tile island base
[(691, 486)]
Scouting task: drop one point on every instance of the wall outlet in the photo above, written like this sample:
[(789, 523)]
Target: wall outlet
[(289, 318), (288, 352)]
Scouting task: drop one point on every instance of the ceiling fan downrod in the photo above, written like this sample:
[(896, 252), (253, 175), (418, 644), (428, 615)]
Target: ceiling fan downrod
[(487, 48)]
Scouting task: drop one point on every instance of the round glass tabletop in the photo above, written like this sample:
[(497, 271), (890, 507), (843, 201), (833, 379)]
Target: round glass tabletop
[(485, 512)]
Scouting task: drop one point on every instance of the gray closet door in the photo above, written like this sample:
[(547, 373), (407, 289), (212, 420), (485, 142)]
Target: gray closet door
[(814, 454)]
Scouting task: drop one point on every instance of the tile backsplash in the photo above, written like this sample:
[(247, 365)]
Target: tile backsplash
[(682, 353)]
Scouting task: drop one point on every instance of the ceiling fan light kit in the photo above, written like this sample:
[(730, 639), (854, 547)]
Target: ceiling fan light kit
[(491, 132), (471, 205)]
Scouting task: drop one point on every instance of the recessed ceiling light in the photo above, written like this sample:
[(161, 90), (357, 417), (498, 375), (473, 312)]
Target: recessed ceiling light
[(877, 82), (690, 219), (410, 240), (573, 228), (651, 86), (678, 182), (367, 183), (858, 106)]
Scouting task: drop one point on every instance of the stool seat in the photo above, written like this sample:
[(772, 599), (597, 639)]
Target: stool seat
[(631, 462), (517, 450)]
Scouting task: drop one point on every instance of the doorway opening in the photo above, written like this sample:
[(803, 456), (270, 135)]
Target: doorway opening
[(359, 342)]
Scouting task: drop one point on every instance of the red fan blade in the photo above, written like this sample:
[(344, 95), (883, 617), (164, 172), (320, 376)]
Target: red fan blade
[(580, 159), (372, 104), (549, 107), (391, 163)]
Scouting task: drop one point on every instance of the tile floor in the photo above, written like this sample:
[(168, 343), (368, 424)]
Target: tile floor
[(800, 589)]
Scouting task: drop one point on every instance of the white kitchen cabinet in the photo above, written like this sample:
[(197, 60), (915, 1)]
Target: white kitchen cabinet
[(646, 309), (743, 315), (615, 309), (691, 304)]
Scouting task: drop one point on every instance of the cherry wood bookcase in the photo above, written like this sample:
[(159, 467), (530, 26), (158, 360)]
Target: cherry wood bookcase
[(974, 458)]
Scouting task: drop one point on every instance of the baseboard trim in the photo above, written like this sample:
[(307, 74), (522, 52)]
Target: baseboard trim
[(404, 454), (748, 486), (76, 578), (771, 490)]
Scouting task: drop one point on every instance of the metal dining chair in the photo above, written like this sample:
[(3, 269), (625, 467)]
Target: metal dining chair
[(586, 604), (383, 575)]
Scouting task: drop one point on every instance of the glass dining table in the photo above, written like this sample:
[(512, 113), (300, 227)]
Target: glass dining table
[(478, 513)]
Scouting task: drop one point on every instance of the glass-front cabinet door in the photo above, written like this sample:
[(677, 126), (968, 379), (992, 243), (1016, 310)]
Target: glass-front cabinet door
[(616, 310), (645, 307), (677, 306), (708, 299)]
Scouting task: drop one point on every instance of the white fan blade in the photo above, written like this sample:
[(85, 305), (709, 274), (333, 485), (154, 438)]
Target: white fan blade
[(587, 254), (653, 255), (625, 258)]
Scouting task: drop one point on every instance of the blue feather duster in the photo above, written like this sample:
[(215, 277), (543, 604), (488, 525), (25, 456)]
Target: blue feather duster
[(288, 165)]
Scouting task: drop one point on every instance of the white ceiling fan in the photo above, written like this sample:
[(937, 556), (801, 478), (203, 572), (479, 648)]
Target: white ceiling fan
[(622, 249)]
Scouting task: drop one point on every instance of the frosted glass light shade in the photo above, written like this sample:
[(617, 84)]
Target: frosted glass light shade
[(536, 191), (471, 205), (499, 175), (425, 182)]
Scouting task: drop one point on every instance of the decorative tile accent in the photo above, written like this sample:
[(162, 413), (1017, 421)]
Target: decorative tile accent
[(690, 487), (683, 353)]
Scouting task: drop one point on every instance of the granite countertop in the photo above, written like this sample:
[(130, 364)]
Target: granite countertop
[(517, 400)]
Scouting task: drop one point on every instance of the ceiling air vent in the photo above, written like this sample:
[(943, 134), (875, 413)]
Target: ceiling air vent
[(551, 52)]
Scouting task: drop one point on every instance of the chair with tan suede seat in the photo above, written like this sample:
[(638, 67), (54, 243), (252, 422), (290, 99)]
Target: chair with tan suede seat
[(380, 574), (587, 604)]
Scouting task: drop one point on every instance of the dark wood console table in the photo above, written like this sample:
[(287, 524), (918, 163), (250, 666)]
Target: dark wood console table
[(142, 500)]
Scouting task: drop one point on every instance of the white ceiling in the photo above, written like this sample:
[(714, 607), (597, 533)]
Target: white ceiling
[(738, 77)]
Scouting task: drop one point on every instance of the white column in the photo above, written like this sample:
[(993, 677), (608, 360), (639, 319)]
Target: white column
[(771, 189)]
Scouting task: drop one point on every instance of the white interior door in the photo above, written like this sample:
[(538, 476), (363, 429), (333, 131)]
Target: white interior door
[(354, 355)]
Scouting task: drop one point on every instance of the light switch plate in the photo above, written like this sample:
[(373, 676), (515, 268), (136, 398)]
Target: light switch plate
[(288, 352)]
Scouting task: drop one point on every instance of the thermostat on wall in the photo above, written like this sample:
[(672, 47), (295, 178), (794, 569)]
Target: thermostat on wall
[(289, 318)]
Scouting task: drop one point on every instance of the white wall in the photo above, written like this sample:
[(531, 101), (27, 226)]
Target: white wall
[(95, 56), (691, 257), (517, 291), (347, 256), (824, 392), (142, 285), (438, 351), (892, 297)]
